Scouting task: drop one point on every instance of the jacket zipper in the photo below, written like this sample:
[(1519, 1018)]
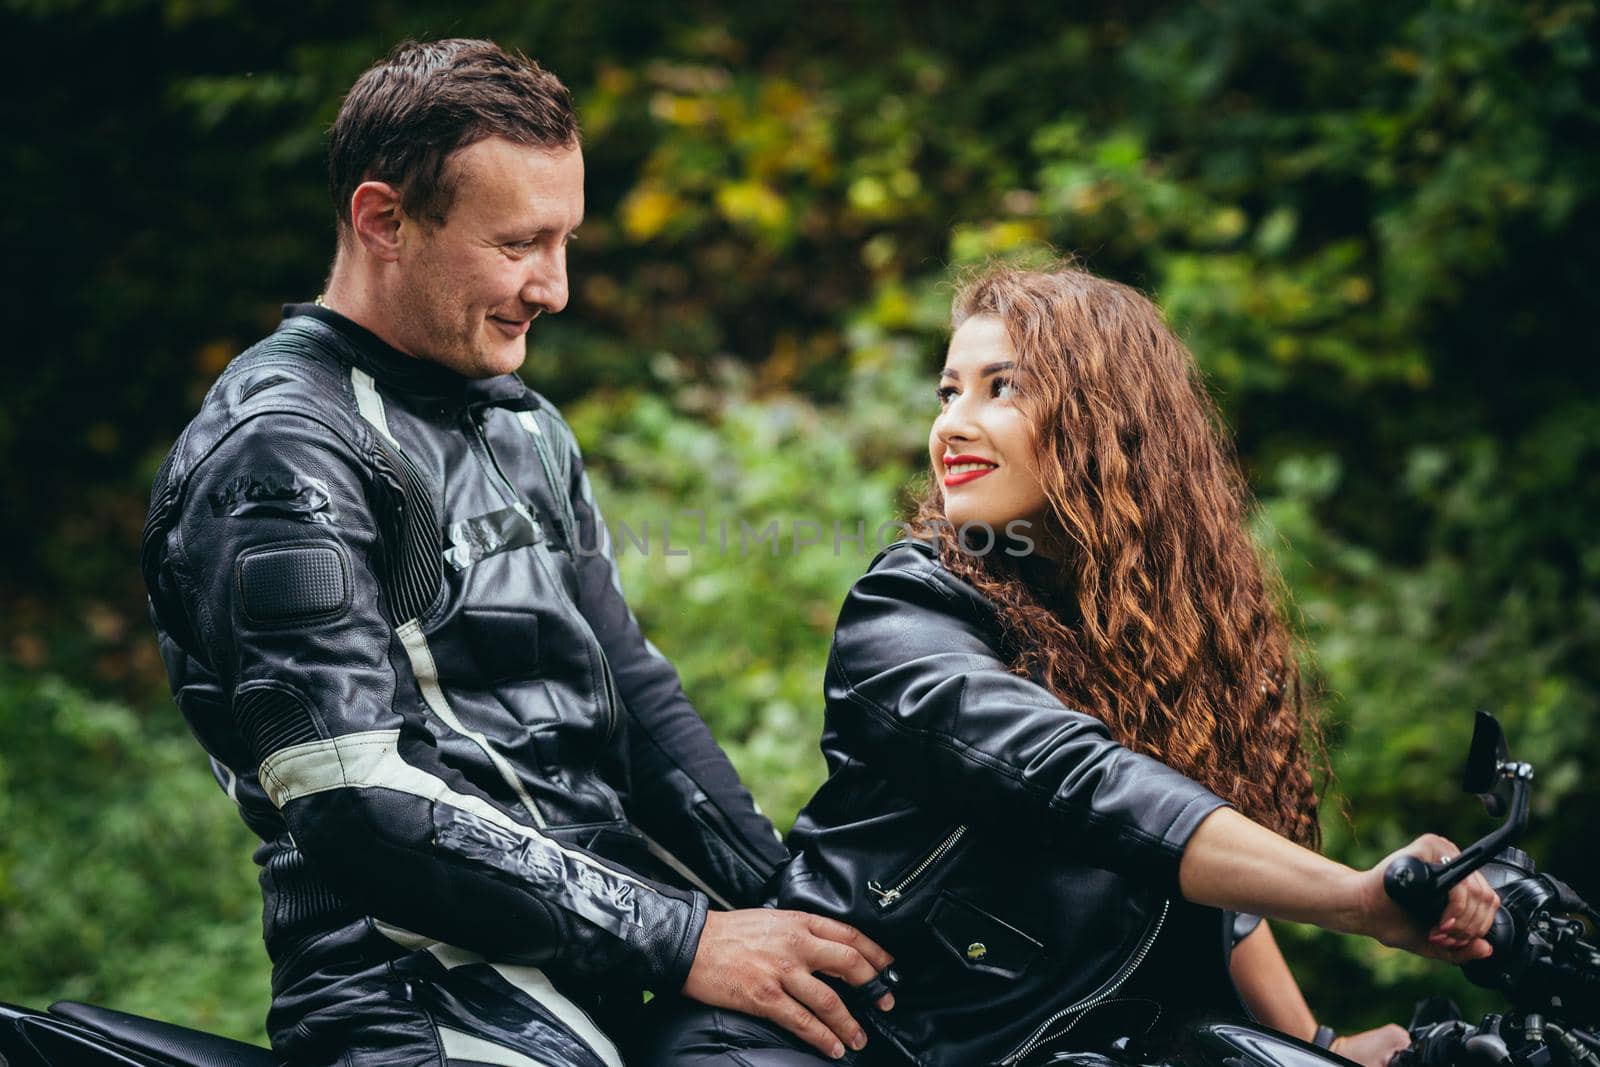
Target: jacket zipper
[(1042, 1033), (569, 530), (608, 683), (887, 897), (568, 520)]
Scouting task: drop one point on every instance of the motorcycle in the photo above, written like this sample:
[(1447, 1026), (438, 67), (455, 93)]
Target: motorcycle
[(1545, 963)]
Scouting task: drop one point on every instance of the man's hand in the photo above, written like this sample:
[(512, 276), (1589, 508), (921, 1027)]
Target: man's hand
[(1372, 1048), (1458, 935), (761, 961)]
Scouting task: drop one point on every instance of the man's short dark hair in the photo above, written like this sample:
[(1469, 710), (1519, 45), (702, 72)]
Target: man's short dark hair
[(404, 117)]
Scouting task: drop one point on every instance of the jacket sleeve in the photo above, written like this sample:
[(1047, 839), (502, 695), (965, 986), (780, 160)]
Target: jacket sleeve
[(278, 571), (682, 792), (914, 681)]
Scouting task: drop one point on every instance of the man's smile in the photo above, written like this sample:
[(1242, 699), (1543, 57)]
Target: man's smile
[(512, 327)]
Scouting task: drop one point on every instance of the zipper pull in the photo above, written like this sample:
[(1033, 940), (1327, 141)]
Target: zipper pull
[(885, 896)]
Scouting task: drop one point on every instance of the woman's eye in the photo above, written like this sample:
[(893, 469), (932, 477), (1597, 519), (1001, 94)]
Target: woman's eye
[(1003, 389), (945, 392)]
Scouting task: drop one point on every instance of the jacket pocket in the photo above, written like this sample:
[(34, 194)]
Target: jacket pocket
[(980, 941), (503, 645)]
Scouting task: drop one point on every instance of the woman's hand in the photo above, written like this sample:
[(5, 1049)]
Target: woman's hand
[(1372, 1048), (1458, 935)]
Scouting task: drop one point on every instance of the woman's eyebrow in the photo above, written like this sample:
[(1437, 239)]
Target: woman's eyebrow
[(992, 368)]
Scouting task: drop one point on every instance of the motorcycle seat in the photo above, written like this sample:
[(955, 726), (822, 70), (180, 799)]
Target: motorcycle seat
[(166, 1042)]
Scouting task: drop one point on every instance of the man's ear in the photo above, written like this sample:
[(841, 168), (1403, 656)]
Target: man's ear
[(375, 219)]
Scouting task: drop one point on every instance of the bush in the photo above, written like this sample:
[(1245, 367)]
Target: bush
[(125, 876)]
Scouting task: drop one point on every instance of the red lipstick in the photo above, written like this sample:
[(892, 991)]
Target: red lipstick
[(951, 480)]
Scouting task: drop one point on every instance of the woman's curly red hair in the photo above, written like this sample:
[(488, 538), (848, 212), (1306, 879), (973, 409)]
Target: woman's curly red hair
[(1159, 618)]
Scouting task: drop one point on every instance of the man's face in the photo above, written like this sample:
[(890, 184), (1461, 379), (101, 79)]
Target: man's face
[(469, 289)]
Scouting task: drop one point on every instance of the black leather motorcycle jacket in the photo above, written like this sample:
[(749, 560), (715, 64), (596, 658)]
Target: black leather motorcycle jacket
[(390, 613), (1019, 864)]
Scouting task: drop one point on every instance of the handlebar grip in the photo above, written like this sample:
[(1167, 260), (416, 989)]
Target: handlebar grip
[(1411, 883)]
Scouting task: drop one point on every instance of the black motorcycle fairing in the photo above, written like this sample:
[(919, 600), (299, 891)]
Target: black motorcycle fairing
[(177, 1046), (1238, 1044), (86, 1035)]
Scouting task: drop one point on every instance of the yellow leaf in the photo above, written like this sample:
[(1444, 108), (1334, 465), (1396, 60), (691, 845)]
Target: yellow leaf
[(752, 204), (213, 356), (646, 212)]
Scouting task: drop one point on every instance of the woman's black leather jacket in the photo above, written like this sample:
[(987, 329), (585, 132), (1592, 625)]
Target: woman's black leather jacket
[(1018, 863)]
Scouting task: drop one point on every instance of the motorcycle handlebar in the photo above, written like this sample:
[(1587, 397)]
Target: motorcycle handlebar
[(1421, 888), (1414, 884)]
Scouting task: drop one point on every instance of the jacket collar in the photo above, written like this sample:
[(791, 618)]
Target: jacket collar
[(408, 374)]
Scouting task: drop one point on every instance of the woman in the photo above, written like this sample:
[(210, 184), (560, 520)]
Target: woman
[(1064, 724)]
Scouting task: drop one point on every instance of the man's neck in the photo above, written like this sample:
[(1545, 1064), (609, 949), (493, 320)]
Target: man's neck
[(355, 294)]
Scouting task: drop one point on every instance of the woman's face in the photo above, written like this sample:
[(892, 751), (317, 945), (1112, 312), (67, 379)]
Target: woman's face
[(980, 444)]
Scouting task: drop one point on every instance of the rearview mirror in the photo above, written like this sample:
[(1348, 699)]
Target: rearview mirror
[(1484, 759)]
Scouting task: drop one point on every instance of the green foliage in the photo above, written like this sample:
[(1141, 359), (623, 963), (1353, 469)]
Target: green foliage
[(1403, 654), (124, 874), (773, 506), (1375, 225)]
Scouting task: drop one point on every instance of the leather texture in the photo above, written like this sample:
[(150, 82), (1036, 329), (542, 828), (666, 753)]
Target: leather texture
[(178, 1046), (686, 1034), (390, 613), (1009, 854)]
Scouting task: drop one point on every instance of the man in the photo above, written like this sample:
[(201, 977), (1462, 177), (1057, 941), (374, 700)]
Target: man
[(389, 610)]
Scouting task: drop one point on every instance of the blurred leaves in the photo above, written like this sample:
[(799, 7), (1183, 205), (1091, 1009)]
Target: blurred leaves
[(690, 488), (124, 876)]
